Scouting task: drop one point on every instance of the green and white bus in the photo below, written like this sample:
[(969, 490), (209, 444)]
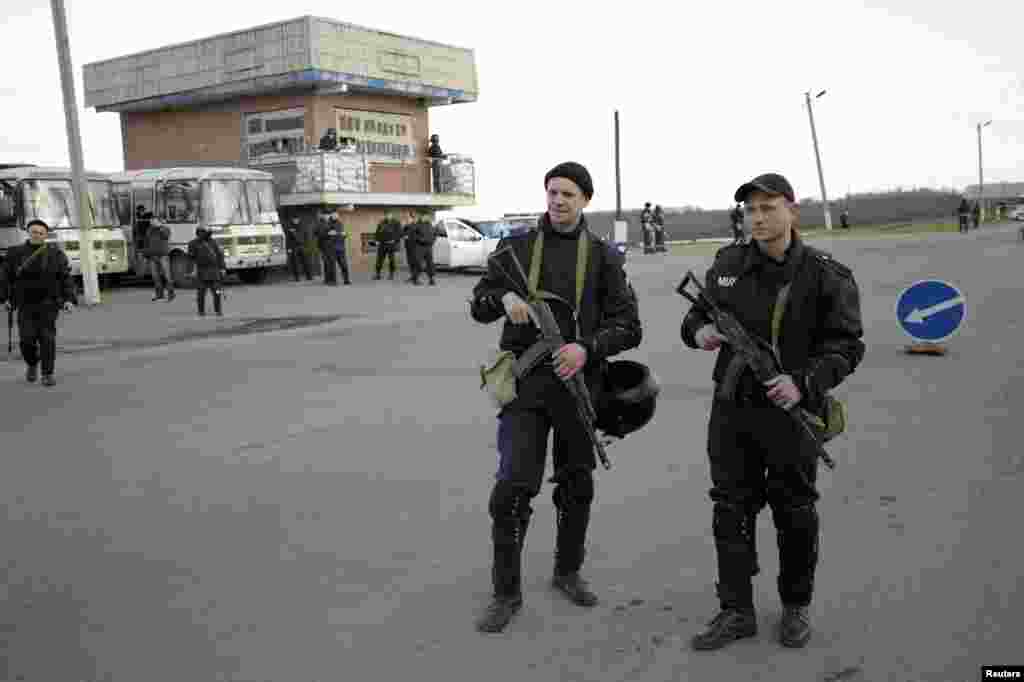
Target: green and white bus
[(238, 205), (32, 192)]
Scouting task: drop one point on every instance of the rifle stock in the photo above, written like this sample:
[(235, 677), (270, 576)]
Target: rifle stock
[(756, 352)]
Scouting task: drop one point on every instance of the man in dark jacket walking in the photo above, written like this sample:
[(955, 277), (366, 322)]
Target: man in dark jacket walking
[(758, 454), (296, 247), (658, 219), (646, 220), (389, 233), (208, 259), (158, 248), (603, 322), (35, 280)]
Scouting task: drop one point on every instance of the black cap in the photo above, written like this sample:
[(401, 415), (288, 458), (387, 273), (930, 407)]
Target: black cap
[(770, 183), (575, 172), (37, 221)]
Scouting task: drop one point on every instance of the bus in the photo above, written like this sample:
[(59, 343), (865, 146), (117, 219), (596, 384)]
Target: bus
[(32, 192), (237, 205)]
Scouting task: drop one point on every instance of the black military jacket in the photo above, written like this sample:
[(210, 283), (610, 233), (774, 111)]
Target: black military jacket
[(608, 317), (46, 279), (820, 338)]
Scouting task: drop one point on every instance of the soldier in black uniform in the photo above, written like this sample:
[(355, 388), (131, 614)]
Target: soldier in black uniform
[(412, 251), (758, 454), (736, 217), (658, 219), (608, 324), (646, 218), (330, 238), (389, 233), (36, 281), (425, 234), (296, 247)]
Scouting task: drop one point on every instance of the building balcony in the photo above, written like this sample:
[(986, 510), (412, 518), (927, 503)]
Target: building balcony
[(352, 177)]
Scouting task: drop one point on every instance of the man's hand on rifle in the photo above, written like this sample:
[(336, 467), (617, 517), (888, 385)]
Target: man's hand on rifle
[(708, 337), (516, 308), (784, 392), (569, 359)]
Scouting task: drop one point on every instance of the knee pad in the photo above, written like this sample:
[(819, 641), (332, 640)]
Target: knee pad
[(802, 519), (576, 489), (509, 501), (732, 522)]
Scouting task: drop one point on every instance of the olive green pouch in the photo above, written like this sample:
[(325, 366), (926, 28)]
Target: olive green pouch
[(499, 379)]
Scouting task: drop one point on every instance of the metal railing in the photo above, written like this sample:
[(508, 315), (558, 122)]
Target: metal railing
[(354, 171)]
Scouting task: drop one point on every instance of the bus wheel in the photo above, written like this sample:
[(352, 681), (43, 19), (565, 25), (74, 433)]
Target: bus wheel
[(180, 268), (252, 275)]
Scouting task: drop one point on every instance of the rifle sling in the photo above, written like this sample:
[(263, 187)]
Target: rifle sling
[(533, 355)]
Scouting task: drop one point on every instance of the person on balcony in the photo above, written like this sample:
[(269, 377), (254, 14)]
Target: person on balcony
[(435, 154), (329, 142)]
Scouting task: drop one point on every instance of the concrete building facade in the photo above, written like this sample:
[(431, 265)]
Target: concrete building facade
[(264, 97)]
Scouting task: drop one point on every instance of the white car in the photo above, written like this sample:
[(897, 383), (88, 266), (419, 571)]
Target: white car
[(461, 246)]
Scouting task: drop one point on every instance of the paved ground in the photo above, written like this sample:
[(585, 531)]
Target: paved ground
[(193, 502)]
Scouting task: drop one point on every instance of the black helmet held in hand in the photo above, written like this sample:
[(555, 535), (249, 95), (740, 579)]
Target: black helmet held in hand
[(630, 396)]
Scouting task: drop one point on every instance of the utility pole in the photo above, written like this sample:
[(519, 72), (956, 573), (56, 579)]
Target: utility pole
[(981, 175), (90, 281), (621, 228), (817, 157)]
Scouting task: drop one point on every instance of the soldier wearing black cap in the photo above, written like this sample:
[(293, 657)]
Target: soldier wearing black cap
[(646, 218), (36, 281), (757, 453), (608, 323)]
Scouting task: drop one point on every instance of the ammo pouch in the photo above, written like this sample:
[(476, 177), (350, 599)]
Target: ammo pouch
[(499, 379)]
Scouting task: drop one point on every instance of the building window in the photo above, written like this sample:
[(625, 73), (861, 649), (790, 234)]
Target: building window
[(275, 132)]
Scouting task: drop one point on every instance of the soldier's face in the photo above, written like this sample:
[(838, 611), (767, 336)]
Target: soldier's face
[(565, 201), (770, 217), (37, 234)]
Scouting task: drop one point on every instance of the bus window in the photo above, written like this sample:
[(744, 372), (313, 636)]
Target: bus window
[(123, 197), (261, 201), (8, 193), (51, 201), (178, 201)]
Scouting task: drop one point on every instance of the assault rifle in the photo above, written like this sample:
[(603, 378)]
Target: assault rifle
[(551, 340), (755, 351)]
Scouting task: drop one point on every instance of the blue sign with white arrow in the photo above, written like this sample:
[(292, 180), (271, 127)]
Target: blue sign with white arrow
[(931, 310)]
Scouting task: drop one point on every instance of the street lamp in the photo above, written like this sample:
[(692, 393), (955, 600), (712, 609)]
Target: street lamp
[(981, 176), (817, 157)]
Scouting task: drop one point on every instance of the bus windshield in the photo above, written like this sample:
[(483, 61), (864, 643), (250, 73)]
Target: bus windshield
[(101, 201), (261, 201), (178, 202), (224, 202), (8, 217), (50, 201)]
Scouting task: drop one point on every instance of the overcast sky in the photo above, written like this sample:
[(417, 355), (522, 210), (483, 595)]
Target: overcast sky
[(707, 98)]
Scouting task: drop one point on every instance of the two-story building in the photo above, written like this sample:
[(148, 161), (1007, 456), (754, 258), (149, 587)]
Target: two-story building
[(264, 97)]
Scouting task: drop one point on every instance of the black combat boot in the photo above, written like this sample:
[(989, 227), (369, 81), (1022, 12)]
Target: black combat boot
[(573, 495), (32, 373), (510, 512), (730, 625), (795, 626), (48, 380)]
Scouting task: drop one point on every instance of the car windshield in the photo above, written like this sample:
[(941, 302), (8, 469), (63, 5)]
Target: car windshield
[(178, 201), (224, 202), (261, 201), (497, 229), (51, 201)]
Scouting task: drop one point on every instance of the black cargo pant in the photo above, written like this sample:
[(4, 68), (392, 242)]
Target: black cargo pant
[(37, 332), (758, 455), (386, 252), (213, 286), (543, 404), (297, 257), (426, 260), (412, 257)]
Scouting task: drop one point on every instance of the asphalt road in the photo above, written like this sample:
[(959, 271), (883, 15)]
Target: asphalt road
[(309, 505)]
